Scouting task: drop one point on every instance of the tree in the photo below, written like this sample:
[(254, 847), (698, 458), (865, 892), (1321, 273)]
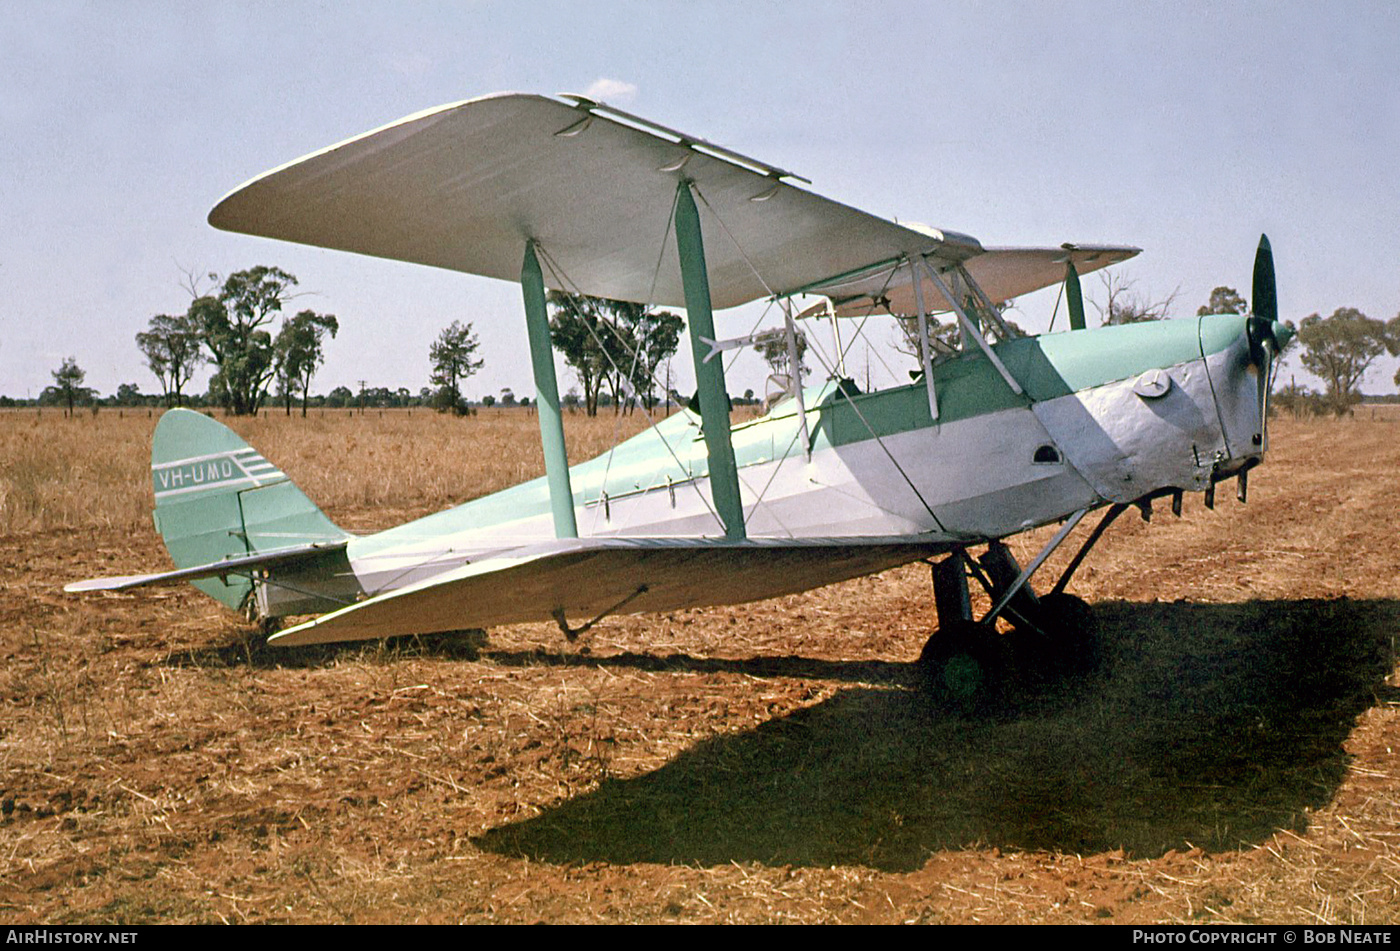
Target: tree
[(451, 357), (1297, 401), (578, 333), (774, 351), (68, 384), (656, 335), (617, 344), (230, 323), (129, 394), (171, 346), (1124, 305), (1223, 300), (942, 336), (298, 353), (1340, 349), (946, 335)]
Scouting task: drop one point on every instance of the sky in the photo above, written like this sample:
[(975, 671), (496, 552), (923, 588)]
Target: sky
[(1185, 128)]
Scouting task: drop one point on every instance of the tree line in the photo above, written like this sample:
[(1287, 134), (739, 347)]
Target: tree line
[(615, 348), (1338, 350), (228, 327), (618, 351)]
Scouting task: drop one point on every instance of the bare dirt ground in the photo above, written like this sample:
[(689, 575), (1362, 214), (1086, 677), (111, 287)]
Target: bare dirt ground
[(769, 762)]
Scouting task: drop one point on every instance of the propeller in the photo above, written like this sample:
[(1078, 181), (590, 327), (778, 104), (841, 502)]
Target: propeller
[(1265, 292), (1267, 336)]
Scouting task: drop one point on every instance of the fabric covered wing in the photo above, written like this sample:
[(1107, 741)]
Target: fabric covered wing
[(465, 185), (585, 578), (1002, 273)]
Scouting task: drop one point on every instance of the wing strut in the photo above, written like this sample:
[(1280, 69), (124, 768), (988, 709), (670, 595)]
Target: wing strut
[(556, 457), (1076, 297), (709, 377), (1036, 562), (925, 348), (969, 328), (795, 375)]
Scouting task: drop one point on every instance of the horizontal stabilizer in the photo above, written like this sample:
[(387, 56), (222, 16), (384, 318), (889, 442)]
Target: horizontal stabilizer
[(582, 579), (215, 569)]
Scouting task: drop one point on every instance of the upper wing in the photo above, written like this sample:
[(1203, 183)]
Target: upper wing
[(1002, 273), (585, 578), (464, 186)]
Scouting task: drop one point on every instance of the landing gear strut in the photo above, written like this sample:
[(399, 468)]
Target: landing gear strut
[(968, 664)]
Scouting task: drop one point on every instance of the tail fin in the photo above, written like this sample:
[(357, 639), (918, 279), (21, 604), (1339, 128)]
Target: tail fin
[(217, 497)]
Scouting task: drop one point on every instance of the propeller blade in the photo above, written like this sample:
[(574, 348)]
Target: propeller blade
[(1267, 337), (1265, 291), (1074, 297)]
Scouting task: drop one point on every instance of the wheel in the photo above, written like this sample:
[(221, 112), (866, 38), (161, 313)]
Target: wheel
[(1075, 646), (963, 665)]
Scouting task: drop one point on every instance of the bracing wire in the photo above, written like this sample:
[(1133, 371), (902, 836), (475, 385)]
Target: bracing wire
[(859, 415), (733, 240), (886, 450), (1055, 313), (865, 318), (787, 454), (564, 281)]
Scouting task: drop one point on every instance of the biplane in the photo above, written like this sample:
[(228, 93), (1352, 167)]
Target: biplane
[(994, 433)]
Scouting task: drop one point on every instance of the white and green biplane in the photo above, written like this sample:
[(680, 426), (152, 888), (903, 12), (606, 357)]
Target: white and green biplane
[(996, 433)]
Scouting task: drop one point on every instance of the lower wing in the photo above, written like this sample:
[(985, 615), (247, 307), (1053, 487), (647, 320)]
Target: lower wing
[(588, 578)]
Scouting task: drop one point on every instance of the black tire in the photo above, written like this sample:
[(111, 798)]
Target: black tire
[(963, 665)]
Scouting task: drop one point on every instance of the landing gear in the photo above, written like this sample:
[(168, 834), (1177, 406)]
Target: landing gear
[(972, 667), (969, 665), (266, 625), (965, 667), (1070, 633)]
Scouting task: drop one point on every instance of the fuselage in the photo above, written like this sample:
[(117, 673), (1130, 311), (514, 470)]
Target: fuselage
[(1106, 415)]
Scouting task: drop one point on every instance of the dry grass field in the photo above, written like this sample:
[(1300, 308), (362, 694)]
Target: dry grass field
[(762, 763)]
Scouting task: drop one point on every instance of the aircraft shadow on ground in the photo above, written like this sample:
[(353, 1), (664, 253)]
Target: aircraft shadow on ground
[(249, 648), (1212, 726)]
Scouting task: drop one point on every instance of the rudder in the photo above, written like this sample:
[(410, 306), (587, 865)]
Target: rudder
[(217, 497)]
